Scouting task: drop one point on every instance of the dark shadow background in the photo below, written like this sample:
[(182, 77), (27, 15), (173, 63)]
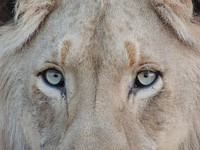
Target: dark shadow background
[(6, 10)]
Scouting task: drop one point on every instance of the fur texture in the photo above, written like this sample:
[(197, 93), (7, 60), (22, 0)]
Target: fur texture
[(179, 16), (27, 18), (99, 47)]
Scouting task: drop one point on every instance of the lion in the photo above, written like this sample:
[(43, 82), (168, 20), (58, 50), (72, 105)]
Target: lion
[(102, 74)]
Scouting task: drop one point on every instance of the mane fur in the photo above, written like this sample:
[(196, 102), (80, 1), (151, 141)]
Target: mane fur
[(17, 28), (28, 15), (180, 16)]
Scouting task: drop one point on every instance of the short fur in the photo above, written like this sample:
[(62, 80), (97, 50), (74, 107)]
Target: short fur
[(99, 47)]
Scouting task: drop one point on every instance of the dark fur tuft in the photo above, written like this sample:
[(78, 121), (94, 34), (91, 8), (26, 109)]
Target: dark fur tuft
[(196, 4), (6, 10)]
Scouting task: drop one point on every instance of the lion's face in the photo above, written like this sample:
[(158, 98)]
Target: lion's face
[(101, 75)]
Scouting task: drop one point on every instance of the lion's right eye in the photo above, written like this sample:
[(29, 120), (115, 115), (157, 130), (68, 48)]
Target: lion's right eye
[(53, 78), (146, 78)]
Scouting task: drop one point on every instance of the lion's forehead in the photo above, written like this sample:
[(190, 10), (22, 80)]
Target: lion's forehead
[(115, 31)]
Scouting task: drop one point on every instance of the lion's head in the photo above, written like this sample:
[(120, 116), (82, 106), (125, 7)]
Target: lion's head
[(102, 74)]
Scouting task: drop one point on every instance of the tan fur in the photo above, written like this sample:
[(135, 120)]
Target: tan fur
[(65, 50), (28, 16), (130, 48), (100, 46), (179, 15)]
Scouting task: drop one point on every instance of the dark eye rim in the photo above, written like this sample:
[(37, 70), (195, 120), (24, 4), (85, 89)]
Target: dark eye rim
[(139, 85), (60, 85)]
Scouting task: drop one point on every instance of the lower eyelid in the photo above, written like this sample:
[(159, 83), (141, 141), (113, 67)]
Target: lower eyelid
[(146, 92), (48, 90)]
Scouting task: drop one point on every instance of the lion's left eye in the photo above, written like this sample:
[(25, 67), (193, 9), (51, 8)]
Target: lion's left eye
[(145, 78), (53, 78)]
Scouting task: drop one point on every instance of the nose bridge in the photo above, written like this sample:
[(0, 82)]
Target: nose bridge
[(107, 100), (107, 115), (103, 100), (100, 127), (97, 122)]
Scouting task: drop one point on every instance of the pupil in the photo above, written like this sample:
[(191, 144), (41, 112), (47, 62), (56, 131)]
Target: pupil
[(146, 75), (55, 75)]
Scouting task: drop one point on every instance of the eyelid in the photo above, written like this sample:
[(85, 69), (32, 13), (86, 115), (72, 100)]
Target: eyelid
[(152, 67), (47, 66)]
